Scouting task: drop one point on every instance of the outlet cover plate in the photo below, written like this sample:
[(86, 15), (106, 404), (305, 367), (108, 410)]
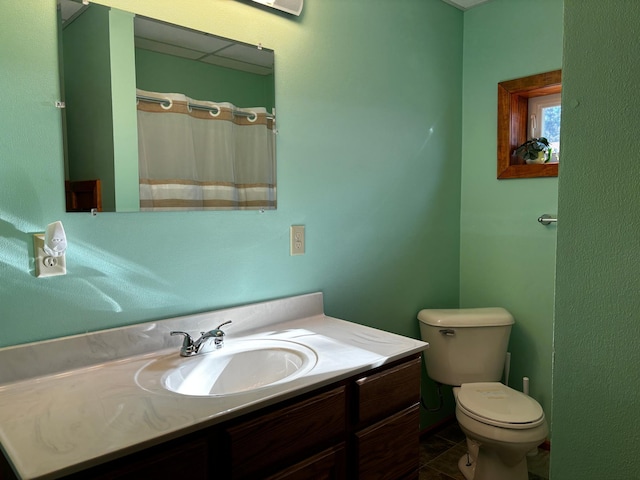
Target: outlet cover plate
[(47, 266), (297, 240)]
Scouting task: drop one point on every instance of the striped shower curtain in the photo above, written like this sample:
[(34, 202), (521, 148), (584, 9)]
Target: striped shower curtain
[(200, 155)]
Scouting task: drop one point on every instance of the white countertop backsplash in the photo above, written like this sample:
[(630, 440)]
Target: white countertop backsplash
[(71, 403)]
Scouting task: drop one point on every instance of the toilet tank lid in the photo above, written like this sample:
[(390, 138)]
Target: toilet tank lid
[(466, 317)]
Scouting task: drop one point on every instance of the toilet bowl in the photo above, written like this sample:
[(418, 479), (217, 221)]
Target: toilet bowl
[(501, 426), (467, 350)]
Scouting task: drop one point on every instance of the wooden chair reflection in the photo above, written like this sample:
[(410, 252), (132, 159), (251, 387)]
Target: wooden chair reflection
[(83, 195)]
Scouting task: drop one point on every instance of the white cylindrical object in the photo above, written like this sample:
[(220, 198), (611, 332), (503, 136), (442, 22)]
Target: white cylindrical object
[(525, 389), (507, 367)]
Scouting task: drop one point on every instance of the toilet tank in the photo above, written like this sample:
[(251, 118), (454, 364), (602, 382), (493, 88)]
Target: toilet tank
[(465, 345)]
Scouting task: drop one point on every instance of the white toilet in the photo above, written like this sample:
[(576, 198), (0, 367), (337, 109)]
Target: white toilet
[(467, 349)]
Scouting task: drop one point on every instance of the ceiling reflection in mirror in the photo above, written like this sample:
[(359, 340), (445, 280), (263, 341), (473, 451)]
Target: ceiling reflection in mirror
[(160, 117)]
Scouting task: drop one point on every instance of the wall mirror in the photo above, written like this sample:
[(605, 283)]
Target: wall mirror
[(159, 117), (514, 100)]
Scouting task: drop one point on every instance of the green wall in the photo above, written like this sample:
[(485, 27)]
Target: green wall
[(125, 114), (596, 425), (369, 114), (101, 119), (369, 160), (88, 96), (506, 257)]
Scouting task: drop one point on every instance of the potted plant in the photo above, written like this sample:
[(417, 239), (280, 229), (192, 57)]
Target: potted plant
[(536, 150)]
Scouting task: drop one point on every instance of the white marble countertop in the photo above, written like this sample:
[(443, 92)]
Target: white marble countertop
[(59, 420)]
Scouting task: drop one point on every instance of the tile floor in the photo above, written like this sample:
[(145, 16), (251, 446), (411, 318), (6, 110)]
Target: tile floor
[(440, 452)]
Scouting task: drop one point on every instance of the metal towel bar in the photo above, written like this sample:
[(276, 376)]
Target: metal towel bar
[(547, 219)]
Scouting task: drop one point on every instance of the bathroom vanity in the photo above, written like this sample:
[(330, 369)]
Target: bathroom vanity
[(101, 407)]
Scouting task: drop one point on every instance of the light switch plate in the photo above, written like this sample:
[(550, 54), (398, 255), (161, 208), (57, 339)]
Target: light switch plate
[(297, 240), (46, 266)]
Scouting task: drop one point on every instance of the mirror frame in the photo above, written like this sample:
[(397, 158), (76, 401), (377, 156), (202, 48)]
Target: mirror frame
[(83, 193), (513, 101)]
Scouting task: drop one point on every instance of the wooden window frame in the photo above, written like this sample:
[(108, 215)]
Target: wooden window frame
[(513, 99)]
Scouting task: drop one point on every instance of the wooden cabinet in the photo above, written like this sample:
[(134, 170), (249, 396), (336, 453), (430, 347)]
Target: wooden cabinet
[(361, 428), (326, 465), (364, 428), (282, 437), (389, 450), (185, 457), (387, 422), (383, 393)]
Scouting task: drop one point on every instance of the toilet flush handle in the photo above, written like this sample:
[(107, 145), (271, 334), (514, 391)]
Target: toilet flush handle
[(449, 332)]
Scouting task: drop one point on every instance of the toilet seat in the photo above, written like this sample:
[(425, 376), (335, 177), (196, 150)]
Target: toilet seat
[(496, 404)]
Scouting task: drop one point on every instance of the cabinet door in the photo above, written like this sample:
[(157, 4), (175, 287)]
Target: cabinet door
[(390, 449), (387, 392), (283, 437), (176, 459), (326, 465)]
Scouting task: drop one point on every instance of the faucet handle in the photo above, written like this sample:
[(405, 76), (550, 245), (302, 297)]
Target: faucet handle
[(223, 324), (216, 334), (188, 347), (187, 337), (219, 333)]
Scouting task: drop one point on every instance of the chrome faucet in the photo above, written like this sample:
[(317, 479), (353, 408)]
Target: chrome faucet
[(192, 347)]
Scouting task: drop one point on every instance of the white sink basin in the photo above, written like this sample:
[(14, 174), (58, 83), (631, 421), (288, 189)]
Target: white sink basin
[(239, 366)]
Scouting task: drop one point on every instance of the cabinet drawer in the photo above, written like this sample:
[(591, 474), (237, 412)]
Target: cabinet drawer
[(390, 449), (383, 393), (171, 460), (287, 434), (326, 465)]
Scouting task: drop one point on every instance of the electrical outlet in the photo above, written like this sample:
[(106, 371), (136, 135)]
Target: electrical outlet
[(297, 239), (46, 265)]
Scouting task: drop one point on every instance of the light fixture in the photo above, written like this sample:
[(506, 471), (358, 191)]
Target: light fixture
[(49, 249), (293, 7)]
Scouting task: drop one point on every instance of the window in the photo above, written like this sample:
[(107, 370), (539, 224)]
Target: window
[(544, 121), (513, 116)]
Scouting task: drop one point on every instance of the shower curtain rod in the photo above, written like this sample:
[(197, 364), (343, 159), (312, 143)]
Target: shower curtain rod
[(216, 110)]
